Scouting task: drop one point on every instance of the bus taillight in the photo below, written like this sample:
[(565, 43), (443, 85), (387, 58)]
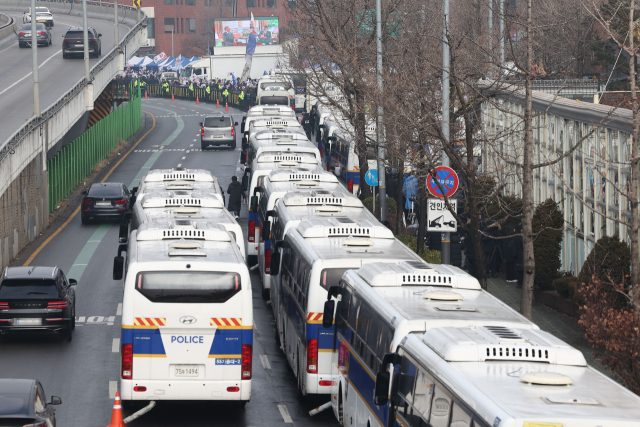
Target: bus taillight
[(247, 353), (267, 261), (312, 356), (127, 361), (252, 231), (350, 186)]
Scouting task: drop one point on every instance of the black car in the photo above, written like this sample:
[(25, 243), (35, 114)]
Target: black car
[(105, 200), (23, 403), (37, 299), (73, 43), (24, 36)]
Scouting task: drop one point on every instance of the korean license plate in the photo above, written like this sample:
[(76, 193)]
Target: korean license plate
[(29, 322), (217, 136), (103, 204), (79, 45), (186, 370)]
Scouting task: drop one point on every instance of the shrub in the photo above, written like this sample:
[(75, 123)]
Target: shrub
[(567, 287), (432, 257), (505, 210), (547, 231), (391, 204)]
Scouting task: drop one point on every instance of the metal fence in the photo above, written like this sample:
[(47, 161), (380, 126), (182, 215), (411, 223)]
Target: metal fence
[(76, 160), (182, 92)]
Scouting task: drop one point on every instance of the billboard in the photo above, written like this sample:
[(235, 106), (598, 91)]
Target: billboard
[(236, 32)]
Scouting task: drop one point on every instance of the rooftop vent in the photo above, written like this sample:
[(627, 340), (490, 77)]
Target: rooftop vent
[(546, 378), (442, 296)]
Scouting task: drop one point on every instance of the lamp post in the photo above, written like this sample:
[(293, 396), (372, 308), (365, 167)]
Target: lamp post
[(446, 237), (382, 189), (34, 58)]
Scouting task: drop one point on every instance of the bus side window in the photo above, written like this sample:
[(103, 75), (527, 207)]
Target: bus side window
[(459, 417), (373, 336), (364, 319), (423, 395), (343, 311), (405, 388), (353, 319), (441, 408)]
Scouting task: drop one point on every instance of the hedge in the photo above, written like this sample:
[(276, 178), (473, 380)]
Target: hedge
[(391, 204), (432, 257), (547, 243)]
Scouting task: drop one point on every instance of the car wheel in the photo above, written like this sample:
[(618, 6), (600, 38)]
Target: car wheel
[(64, 55), (68, 333), (84, 220), (203, 147), (232, 145), (266, 294), (299, 393)]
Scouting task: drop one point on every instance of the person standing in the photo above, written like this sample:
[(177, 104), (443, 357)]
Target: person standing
[(489, 249), (241, 98), (235, 196), (225, 95), (519, 258), (509, 252)]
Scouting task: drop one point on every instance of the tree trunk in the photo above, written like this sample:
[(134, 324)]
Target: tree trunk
[(422, 219), (400, 199), (361, 144), (527, 178)]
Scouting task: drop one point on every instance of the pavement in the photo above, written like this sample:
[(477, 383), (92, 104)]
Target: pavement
[(562, 326)]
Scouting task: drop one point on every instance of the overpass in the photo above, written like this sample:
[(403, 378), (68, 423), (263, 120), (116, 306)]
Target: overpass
[(27, 142)]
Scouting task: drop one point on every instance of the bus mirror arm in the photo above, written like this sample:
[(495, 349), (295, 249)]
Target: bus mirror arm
[(329, 308), (278, 245), (393, 358), (381, 392), (245, 182), (269, 214), (275, 263), (266, 230), (254, 204), (118, 267), (334, 291)]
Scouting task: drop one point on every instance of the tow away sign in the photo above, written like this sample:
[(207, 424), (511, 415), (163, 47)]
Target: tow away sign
[(438, 216)]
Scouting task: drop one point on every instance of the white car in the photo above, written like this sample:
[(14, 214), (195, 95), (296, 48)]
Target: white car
[(43, 15)]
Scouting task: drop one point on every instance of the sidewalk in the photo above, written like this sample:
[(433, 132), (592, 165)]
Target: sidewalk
[(563, 327)]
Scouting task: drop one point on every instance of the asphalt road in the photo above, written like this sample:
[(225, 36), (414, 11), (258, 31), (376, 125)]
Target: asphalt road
[(56, 75), (85, 372)]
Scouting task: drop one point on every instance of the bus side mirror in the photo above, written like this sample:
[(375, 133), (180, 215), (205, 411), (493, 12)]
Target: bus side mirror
[(245, 182), (243, 157), (327, 319), (123, 233), (266, 230), (134, 191), (381, 392), (275, 264), (118, 267), (254, 204)]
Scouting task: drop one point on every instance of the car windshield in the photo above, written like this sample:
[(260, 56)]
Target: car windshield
[(217, 122), (74, 35), (42, 9), (28, 289), (102, 190), (27, 27), (13, 404)]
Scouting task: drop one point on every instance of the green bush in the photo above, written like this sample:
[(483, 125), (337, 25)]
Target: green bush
[(505, 210), (432, 257), (566, 286), (547, 231), (391, 204)]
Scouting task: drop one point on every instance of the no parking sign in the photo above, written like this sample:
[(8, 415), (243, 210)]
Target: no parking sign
[(448, 179)]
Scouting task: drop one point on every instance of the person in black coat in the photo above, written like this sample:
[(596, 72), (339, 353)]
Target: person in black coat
[(490, 249), (509, 252), (235, 196), (519, 257)]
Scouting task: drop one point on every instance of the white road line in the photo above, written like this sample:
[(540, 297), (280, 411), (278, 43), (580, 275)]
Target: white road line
[(194, 141), (81, 319), (113, 387), (110, 320), (285, 414), (265, 361), (179, 165), (115, 346), (39, 66), (10, 46), (119, 310), (187, 151), (183, 157)]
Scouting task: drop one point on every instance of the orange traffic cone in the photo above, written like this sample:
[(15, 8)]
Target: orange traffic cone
[(126, 94), (172, 98), (116, 415), (197, 100), (226, 106), (249, 107), (218, 103), (145, 94)]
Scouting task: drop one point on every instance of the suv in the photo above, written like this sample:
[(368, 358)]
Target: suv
[(73, 43), (218, 130), (37, 299)]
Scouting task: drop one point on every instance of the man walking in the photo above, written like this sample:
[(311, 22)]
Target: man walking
[(235, 196)]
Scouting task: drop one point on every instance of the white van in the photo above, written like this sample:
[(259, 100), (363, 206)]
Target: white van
[(187, 315)]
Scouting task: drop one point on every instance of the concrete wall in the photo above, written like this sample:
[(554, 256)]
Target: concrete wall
[(8, 28)]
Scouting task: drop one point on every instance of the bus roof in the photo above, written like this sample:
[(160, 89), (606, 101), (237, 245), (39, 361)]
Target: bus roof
[(181, 230), (287, 159), (520, 389), (418, 274), (292, 215), (321, 197), (280, 134), (344, 227), (180, 198), (270, 109), (297, 175), (210, 187), (178, 174), (286, 186)]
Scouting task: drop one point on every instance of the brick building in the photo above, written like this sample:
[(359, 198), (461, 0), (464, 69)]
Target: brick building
[(192, 20)]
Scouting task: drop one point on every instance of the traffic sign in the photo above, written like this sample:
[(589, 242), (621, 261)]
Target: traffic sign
[(439, 218), (371, 177), (448, 179), (136, 3)]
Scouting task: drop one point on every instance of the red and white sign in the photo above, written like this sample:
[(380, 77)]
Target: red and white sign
[(448, 179), (160, 57)]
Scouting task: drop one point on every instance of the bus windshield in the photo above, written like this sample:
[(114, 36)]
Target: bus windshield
[(191, 287)]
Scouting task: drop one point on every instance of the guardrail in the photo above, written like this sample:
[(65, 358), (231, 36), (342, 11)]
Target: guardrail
[(42, 133), (8, 28)]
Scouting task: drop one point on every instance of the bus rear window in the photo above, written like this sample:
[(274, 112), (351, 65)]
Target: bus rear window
[(274, 100), (331, 277), (188, 287)]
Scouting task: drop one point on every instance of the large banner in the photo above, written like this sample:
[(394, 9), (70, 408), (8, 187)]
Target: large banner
[(160, 57), (236, 33)]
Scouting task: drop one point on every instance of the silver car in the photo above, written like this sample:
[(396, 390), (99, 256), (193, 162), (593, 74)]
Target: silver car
[(218, 130), (24, 36)]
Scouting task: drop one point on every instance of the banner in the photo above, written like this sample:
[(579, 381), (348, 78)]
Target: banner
[(246, 70), (160, 57), (251, 49)]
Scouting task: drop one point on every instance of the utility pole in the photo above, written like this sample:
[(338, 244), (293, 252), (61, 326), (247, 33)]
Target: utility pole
[(116, 38), (172, 28), (85, 38), (34, 57), (208, 29), (382, 189), (446, 237), (501, 34), (490, 27)]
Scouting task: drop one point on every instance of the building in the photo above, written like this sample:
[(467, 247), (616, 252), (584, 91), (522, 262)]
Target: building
[(177, 25), (587, 183)]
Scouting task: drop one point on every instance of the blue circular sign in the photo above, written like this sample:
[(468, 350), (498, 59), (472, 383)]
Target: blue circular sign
[(371, 177)]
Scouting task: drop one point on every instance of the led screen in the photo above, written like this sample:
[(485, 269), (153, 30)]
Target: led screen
[(236, 32)]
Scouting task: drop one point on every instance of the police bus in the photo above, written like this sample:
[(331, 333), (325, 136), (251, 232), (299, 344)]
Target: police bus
[(382, 303), (264, 111), (200, 180), (187, 315), (275, 186), (314, 256), (290, 124), (185, 208), (276, 95), (497, 377), (279, 140)]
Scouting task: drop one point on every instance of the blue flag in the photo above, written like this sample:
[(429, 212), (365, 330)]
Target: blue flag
[(251, 44)]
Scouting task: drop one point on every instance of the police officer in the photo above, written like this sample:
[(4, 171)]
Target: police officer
[(165, 87), (241, 97), (225, 95)]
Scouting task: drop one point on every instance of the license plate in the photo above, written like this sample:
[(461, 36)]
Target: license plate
[(186, 371), (103, 204), (217, 136), (42, 20), (79, 45), (29, 322)]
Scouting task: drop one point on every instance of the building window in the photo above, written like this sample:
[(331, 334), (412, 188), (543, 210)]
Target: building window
[(191, 26), (151, 29), (168, 2), (228, 3), (271, 3), (169, 25), (190, 2), (251, 3)]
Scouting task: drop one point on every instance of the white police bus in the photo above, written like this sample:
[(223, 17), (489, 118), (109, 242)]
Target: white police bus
[(279, 140), (276, 185), (314, 256), (265, 111), (382, 303), (200, 180), (183, 207), (498, 377), (187, 315), (274, 123)]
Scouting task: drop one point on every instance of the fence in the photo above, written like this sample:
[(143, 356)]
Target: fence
[(75, 161), (182, 92)]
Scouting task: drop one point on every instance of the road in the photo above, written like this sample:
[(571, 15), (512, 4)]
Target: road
[(84, 372), (56, 75)]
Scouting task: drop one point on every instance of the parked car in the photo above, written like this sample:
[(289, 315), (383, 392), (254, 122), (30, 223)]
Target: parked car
[(24, 36), (73, 43), (218, 130), (24, 403), (105, 200), (37, 299), (43, 15)]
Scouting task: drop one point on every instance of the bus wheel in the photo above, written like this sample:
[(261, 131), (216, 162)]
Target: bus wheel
[(299, 393), (277, 336), (266, 294), (340, 406)]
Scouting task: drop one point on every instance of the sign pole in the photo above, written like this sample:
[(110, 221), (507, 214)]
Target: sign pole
[(446, 237)]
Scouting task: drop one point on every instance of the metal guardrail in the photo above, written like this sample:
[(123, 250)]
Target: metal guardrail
[(35, 122), (564, 87)]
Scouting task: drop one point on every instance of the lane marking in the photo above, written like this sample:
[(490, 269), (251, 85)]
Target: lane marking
[(183, 158), (115, 346), (50, 238), (179, 165), (119, 310), (110, 320), (285, 414), (81, 319), (78, 267), (113, 387), (265, 361), (31, 72), (10, 46)]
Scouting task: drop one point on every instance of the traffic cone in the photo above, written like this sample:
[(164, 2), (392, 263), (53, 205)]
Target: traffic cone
[(226, 106), (145, 94), (116, 415), (197, 100), (172, 98), (218, 103), (126, 94)]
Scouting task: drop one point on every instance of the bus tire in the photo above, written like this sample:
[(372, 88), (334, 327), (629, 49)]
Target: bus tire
[(266, 294), (340, 406), (243, 403), (299, 393), (277, 334)]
